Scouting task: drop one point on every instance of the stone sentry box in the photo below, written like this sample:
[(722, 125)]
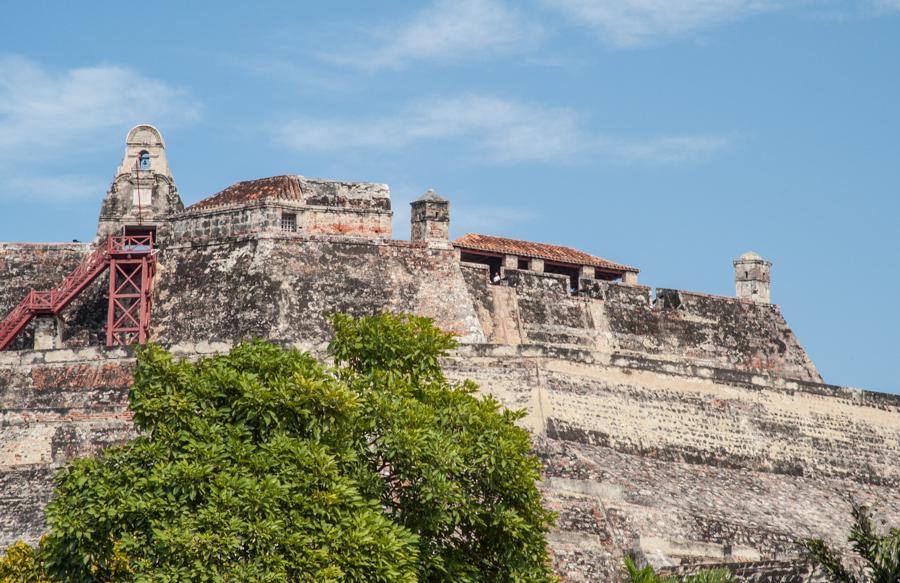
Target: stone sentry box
[(751, 278), (430, 219)]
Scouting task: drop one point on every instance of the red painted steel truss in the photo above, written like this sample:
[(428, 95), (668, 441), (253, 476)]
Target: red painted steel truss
[(128, 318), (131, 260)]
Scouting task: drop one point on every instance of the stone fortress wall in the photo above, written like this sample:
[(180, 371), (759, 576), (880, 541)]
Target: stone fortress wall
[(686, 428)]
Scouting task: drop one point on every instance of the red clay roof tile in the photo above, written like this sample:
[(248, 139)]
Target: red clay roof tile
[(555, 253), (277, 187)]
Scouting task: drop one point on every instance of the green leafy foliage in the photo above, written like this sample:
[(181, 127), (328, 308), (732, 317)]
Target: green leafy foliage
[(20, 565), (452, 468), (879, 553), (647, 575), (264, 465)]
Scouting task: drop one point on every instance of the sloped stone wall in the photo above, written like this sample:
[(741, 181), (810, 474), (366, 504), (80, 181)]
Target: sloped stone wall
[(684, 465), (284, 287)]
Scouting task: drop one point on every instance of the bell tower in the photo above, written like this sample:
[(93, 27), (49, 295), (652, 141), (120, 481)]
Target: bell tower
[(143, 191)]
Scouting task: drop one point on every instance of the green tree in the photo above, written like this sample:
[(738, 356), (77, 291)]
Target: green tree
[(647, 575), (452, 468), (879, 553), (265, 465)]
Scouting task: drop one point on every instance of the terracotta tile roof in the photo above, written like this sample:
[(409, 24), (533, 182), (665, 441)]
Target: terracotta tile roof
[(555, 253), (278, 187)]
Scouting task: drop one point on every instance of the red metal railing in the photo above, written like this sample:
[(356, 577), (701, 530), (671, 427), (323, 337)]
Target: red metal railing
[(114, 250), (140, 244), (92, 266), (15, 321)]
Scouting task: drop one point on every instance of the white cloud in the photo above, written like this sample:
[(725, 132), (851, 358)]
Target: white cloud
[(496, 131), (505, 131), (294, 74), (885, 6), (489, 219), (447, 30), (667, 150), (632, 23), (39, 107), (50, 117)]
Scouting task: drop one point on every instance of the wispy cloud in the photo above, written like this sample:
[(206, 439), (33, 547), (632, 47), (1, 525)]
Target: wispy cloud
[(496, 131), (666, 150), (51, 116), (885, 6), (490, 219), (39, 107), (505, 131), (295, 74), (447, 30), (634, 23)]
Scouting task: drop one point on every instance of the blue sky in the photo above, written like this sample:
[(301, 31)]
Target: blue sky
[(668, 134)]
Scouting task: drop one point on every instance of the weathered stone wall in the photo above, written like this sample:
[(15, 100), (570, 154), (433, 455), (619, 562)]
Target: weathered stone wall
[(617, 318), (688, 428), (217, 223), (340, 194), (760, 572), (54, 405), (221, 222), (309, 274), (284, 287), (43, 266), (680, 464), (685, 464), (255, 208)]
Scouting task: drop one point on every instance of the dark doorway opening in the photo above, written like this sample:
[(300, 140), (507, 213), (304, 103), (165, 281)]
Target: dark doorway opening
[(568, 270), (494, 262)]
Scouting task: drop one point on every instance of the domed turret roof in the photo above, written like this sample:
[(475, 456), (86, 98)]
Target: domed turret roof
[(430, 196)]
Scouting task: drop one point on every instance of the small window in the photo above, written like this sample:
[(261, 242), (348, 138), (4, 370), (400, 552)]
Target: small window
[(145, 160), (523, 263), (289, 222)]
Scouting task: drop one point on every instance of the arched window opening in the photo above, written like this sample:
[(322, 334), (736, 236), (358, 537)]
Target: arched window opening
[(145, 160)]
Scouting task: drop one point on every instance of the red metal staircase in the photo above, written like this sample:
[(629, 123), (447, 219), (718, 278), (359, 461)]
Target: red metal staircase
[(131, 260)]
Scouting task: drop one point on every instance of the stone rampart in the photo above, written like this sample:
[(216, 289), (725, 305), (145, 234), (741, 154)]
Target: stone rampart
[(685, 464), (687, 428), (530, 307), (284, 287), (681, 464)]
